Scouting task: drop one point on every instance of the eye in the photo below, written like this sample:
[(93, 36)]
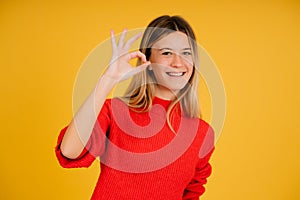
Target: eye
[(187, 53), (167, 53)]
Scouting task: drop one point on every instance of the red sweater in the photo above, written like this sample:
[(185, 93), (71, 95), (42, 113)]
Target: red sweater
[(144, 159)]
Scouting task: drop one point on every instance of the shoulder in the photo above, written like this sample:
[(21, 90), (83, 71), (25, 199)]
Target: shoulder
[(204, 125), (201, 123), (109, 102), (204, 128), (114, 106)]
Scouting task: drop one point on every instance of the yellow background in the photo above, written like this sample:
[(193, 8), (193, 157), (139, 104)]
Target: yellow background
[(255, 45)]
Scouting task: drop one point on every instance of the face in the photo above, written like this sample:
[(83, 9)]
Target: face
[(172, 64)]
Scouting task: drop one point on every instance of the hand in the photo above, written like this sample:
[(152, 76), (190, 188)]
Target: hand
[(119, 68)]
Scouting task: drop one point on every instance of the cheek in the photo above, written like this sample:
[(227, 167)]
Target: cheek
[(158, 70), (190, 69), (159, 60), (189, 62), (190, 72)]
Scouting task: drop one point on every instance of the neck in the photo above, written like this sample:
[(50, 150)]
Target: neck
[(164, 93)]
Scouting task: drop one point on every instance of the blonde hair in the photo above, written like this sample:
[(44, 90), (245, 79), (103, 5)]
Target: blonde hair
[(139, 93)]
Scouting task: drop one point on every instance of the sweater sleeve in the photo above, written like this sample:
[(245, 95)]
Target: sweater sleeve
[(196, 186), (95, 145), (203, 169)]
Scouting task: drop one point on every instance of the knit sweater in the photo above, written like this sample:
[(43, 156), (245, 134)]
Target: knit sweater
[(142, 158)]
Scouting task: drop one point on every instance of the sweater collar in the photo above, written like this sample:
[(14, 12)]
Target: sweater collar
[(164, 102)]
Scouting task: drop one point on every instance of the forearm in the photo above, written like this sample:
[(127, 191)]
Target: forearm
[(81, 126)]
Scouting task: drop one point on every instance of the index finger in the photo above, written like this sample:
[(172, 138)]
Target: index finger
[(137, 54)]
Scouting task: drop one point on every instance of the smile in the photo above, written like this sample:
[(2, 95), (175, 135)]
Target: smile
[(175, 74)]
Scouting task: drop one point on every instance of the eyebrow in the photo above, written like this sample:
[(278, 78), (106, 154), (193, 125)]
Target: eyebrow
[(166, 48)]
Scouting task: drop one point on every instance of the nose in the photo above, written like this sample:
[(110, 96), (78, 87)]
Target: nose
[(177, 60)]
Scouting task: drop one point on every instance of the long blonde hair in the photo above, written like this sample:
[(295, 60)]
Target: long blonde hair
[(139, 94)]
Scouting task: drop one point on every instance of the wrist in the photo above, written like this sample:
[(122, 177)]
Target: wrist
[(104, 86), (110, 79)]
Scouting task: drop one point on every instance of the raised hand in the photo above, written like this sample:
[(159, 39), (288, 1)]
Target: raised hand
[(119, 68)]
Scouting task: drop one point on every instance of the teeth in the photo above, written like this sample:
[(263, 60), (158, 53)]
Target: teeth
[(175, 73)]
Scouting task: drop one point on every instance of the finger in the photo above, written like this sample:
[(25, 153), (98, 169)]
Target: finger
[(135, 70), (132, 40), (141, 67), (137, 54), (113, 40), (143, 57), (121, 40)]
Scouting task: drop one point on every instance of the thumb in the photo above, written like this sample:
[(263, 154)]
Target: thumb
[(142, 67), (136, 70)]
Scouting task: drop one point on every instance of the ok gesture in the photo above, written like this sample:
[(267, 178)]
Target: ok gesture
[(119, 68)]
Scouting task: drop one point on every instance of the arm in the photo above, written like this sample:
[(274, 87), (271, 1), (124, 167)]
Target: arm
[(196, 186), (95, 145), (78, 133), (203, 168), (79, 130)]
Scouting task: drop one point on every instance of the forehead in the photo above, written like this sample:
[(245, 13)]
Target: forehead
[(175, 40)]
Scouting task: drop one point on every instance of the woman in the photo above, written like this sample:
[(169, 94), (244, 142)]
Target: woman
[(151, 142)]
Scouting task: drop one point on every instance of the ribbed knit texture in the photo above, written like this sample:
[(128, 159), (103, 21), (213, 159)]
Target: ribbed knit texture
[(144, 159)]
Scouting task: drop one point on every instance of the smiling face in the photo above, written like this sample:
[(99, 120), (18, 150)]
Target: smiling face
[(172, 64)]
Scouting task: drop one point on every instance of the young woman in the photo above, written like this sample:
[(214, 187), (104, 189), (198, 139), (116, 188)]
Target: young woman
[(151, 142)]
